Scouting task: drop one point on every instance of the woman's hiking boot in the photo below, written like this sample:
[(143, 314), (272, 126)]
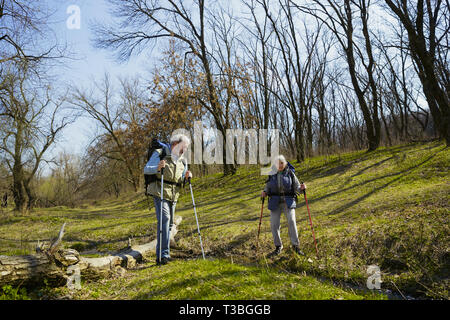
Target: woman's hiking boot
[(276, 252), (298, 251)]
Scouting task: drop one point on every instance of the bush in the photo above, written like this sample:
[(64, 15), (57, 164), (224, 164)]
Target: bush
[(9, 293)]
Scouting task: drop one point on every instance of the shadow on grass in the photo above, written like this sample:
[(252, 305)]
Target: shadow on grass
[(372, 166), (352, 203), (176, 287), (317, 170), (220, 199), (401, 174)]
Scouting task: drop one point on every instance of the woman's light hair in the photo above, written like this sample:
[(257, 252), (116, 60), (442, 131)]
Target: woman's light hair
[(177, 138), (281, 159), (275, 162)]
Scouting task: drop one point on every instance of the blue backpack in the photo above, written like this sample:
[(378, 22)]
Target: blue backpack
[(290, 166), (154, 145)]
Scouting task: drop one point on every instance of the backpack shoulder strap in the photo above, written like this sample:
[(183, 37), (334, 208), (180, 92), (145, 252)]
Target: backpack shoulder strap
[(162, 153), (291, 173), (271, 176), (293, 177)]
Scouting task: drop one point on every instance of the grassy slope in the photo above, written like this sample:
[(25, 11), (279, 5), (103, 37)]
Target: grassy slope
[(216, 279), (388, 208)]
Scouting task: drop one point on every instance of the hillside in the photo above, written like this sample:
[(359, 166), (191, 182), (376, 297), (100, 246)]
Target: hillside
[(388, 208)]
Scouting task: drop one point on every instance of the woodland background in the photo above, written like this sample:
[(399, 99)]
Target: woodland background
[(332, 76)]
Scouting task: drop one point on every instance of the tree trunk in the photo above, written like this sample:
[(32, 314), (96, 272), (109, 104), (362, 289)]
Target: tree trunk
[(18, 190), (425, 59), (56, 265), (309, 132), (299, 143), (30, 196)]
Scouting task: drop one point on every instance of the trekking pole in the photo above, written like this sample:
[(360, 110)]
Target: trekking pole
[(196, 219), (310, 221), (160, 213), (259, 227)]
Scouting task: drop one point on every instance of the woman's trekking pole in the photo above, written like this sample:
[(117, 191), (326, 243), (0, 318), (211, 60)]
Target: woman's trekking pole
[(196, 219), (310, 220), (160, 213), (259, 227)]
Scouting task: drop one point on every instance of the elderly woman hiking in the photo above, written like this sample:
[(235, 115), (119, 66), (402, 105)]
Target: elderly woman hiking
[(281, 188), (175, 170)]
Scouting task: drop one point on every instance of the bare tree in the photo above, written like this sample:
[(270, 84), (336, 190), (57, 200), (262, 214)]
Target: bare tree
[(340, 18), (400, 91), (294, 71), (427, 24), (144, 22), (23, 26), (31, 122), (63, 185), (259, 54), (108, 112)]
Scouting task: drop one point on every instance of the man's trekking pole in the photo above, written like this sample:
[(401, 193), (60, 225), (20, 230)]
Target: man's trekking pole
[(196, 219), (259, 227), (310, 220), (160, 213)]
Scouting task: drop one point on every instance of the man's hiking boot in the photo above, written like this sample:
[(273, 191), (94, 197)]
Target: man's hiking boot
[(163, 261), (298, 251)]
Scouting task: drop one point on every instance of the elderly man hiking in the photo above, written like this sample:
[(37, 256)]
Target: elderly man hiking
[(281, 187), (170, 159)]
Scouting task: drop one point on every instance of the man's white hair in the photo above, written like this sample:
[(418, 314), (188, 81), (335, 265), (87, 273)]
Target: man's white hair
[(177, 138)]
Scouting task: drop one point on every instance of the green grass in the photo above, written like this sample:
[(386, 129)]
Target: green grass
[(7, 292), (103, 228), (216, 279), (388, 207)]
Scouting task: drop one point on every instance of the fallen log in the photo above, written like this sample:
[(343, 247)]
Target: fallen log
[(59, 266)]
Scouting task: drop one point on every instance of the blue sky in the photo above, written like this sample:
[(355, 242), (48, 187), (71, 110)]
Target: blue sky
[(89, 63)]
